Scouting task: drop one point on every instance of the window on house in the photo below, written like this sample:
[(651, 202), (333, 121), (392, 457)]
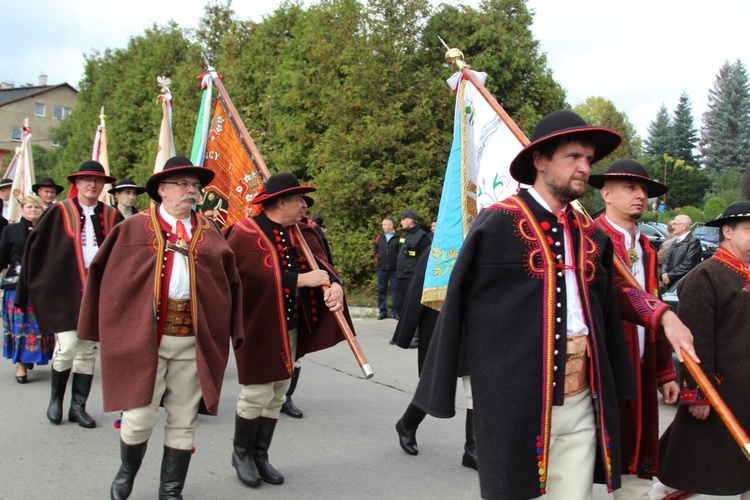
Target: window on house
[(16, 134), (40, 109), (61, 112)]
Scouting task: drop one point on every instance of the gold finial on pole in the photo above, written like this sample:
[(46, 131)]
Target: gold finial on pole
[(102, 117), (454, 56)]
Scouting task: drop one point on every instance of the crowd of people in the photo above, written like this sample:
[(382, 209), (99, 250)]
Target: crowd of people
[(552, 320)]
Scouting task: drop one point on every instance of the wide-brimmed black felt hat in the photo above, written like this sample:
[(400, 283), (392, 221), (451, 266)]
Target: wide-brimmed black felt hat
[(174, 166), (308, 201), (737, 211), (127, 184), (47, 182), (557, 124), (628, 170), (5, 183), (91, 168), (280, 185)]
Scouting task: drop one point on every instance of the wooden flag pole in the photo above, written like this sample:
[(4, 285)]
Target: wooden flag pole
[(260, 167)]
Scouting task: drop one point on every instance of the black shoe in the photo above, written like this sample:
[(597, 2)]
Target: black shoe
[(395, 316), (81, 387), (470, 448), (382, 316), (245, 432), (290, 408), (407, 439), (22, 379), (260, 454), (131, 457), (59, 383), (414, 343)]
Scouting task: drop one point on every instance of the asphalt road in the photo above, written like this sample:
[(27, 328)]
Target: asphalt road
[(345, 446)]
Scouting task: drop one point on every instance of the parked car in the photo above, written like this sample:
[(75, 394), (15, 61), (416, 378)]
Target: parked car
[(707, 233), (654, 234)]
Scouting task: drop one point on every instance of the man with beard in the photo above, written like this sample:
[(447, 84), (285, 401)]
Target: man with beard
[(625, 189), (53, 274), (166, 341), (286, 315), (530, 303)]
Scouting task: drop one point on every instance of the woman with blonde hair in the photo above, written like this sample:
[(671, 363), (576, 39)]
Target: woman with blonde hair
[(22, 342)]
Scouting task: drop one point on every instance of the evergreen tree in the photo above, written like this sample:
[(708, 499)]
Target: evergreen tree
[(725, 134), (661, 138), (684, 133)]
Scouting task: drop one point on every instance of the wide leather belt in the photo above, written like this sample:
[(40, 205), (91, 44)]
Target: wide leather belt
[(179, 322), (576, 365)]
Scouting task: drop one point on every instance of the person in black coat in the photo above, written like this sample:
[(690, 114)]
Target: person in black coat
[(23, 344), (683, 255)]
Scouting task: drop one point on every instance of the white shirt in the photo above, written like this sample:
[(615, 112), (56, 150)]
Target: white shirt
[(88, 236), (179, 283), (574, 307), (638, 271)]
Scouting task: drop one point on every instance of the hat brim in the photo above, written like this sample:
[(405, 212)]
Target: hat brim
[(655, 189), (205, 176), (280, 194), (522, 167), (57, 187), (138, 189), (108, 179), (726, 220)]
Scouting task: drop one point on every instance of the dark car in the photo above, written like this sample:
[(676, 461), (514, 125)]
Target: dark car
[(709, 237), (653, 233)]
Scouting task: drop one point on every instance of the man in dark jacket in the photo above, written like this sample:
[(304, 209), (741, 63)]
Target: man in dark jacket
[(386, 252), (413, 241), (683, 255)]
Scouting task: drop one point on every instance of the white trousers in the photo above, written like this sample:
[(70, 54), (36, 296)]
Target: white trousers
[(660, 490), (633, 488), (178, 388), (570, 471), (72, 352), (265, 400), (466, 381)]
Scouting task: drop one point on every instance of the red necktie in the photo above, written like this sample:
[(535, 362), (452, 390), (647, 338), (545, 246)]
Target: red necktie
[(182, 232)]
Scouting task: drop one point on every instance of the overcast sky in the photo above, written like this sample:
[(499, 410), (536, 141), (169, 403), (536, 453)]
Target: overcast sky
[(639, 54)]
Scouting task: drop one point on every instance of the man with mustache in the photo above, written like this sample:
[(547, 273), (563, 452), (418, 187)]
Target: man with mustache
[(286, 315), (53, 274), (530, 314), (625, 189), (166, 342)]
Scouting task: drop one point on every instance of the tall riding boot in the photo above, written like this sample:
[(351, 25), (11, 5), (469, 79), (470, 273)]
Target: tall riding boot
[(245, 432), (470, 448), (81, 388), (131, 456), (59, 383), (260, 453), (289, 407), (174, 469)]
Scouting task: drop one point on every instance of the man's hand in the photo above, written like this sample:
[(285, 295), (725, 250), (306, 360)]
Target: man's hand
[(665, 278), (313, 279), (700, 411), (678, 335), (334, 298), (670, 392)]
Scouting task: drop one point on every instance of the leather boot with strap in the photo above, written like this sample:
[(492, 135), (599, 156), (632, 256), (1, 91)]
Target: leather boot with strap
[(174, 469), (245, 432), (59, 383), (131, 456), (260, 453), (81, 388), (289, 407)]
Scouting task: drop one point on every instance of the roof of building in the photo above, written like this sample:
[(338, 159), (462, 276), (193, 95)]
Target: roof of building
[(14, 94)]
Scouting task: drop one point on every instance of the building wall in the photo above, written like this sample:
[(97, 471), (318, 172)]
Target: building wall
[(12, 116)]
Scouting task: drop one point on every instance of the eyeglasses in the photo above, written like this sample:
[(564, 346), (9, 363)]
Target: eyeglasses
[(94, 180), (185, 184)]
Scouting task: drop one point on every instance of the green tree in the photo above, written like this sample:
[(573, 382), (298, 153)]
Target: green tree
[(695, 214), (714, 207), (45, 160), (725, 134), (687, 184), (661, 138), (728, 186), (683, 131)]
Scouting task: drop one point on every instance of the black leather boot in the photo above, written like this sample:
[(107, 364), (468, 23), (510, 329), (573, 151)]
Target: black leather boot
[(81, 388), (407, 438), (470, 448), (260, 453), (174, 469), (245, 432), (131, 457), (289, 407), (59, 383)]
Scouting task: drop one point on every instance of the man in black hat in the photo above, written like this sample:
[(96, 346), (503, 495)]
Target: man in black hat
[(125, 192), (53, 274), (412, 242), (47, 190), (625, 189), (286, 315), (5, 186), (167, 341), (698, 454), (530, 313)]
